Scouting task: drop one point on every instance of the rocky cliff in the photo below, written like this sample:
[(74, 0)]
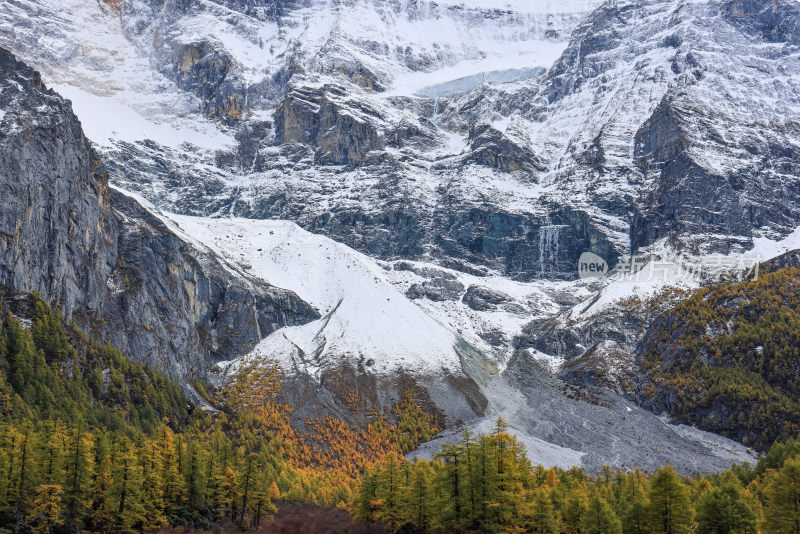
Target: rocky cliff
[(106, 261)]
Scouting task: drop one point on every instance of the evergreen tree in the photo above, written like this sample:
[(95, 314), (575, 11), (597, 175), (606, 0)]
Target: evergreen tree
[(600, 517), (78, 470), (723, 511), (451, 482), (783, 499), (543, 518), (102, 503), (420, 496), (46, 510), (669, 508), (391, 488), (230, 492), (365, 507), (152, 493), (575, 508), (125, 495), (635, 506)]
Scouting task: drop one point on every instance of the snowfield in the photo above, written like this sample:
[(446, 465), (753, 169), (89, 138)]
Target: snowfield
[(365, 318)]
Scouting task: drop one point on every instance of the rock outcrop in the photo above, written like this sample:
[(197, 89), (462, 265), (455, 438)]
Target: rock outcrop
[(111, 265), (339, 135)]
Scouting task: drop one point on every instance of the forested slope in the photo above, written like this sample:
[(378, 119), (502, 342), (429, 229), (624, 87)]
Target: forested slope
[(727, 358)]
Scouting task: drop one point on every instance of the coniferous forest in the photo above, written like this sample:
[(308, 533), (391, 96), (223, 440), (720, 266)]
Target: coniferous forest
[(92, 441)]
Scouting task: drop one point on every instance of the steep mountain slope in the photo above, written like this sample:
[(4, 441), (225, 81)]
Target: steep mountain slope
[(107, 262), (371, 342), (725, 359), (386, 128)]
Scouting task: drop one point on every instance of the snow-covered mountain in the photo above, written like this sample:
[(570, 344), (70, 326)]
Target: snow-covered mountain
[(425, 174)]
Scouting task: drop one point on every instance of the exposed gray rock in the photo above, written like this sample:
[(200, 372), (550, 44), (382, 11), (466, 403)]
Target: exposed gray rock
[(481, 298), (685, 197), (564, 425), (315, 118), (440, 286), (774, 22), (491, 148), (106, 261)]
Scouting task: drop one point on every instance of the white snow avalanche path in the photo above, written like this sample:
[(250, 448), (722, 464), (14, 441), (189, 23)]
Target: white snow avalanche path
[(365, 318)]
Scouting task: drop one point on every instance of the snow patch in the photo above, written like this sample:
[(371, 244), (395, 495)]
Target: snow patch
[(107, 119), (365, 319)]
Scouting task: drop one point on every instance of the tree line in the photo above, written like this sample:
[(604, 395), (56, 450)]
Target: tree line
[(90, 440), (486, 483)]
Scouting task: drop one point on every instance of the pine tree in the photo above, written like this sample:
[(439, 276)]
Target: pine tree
[(126, 489), (53, 446), (486, 483), (669, 508), (723, 511), (543, 519), (783, 499), (247, 484), (230, 492), (512, 467), (152, 494), (451, 483), (195, 480), (420, 496), (600, 517), (575, 508), (365, 500), (78, 470), (24, 481), (102, 503), (391, 488), (173, 485), (635, 506), (261, 506), (9, 438), (46, 510), (470, 478)]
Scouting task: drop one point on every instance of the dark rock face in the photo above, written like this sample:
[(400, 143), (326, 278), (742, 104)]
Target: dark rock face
[(108, 262), (316, 118), (206, 71), (522, 247), (322, 143), (483, 299), (774, 22), (493, 149), (784, 261), (56, 202), (686, 198), (441, 286)]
